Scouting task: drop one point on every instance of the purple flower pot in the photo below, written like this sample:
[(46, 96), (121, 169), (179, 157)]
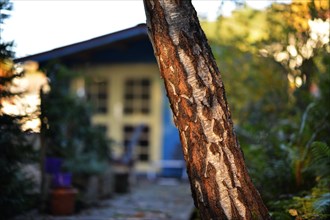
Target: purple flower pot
[(53, 165), (61, 180)]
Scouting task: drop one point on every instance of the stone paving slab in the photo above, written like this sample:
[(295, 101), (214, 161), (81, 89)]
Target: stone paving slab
[(145, 201)]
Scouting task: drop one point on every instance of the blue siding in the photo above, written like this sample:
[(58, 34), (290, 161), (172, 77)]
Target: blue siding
[(171, 140)]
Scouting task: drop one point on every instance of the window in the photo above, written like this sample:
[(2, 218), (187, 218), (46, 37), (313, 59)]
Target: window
[(97, 93), (141, 148), (137, 96)]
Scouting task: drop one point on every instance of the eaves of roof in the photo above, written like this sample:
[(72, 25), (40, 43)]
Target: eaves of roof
[(112, 38)]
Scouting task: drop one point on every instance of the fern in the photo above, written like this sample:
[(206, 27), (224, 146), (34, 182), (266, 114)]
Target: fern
[(322, 205), (320, 161)]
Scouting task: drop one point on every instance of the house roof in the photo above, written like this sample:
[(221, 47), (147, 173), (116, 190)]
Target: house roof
[(129, 45)]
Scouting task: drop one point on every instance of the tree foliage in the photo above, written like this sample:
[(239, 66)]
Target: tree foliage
[(275, 64), (15, 150), (70, 133)]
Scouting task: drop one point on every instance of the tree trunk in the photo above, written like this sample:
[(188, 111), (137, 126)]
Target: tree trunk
[(220, 184), (43, 186)]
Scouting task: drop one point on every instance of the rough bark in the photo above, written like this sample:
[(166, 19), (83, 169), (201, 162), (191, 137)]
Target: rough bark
[(220, 184)]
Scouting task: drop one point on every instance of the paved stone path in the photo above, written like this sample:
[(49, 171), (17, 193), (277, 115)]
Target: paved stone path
[(145, 201)]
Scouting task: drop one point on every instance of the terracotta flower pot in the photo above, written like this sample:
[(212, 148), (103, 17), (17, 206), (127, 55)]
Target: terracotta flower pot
[(62, 201)]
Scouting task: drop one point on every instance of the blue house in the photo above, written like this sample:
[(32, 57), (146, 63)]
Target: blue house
[(118, 73)]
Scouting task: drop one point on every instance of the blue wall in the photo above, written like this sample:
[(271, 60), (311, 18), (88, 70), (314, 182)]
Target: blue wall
[(171, 140)]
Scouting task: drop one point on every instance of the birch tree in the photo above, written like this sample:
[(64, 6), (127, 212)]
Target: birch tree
[(220, 184)]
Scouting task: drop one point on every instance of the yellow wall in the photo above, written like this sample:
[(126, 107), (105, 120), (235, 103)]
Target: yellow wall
[(114, 119)]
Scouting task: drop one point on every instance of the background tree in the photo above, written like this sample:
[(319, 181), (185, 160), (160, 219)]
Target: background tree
[(219, 180), (69, 133), (15, 152)]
